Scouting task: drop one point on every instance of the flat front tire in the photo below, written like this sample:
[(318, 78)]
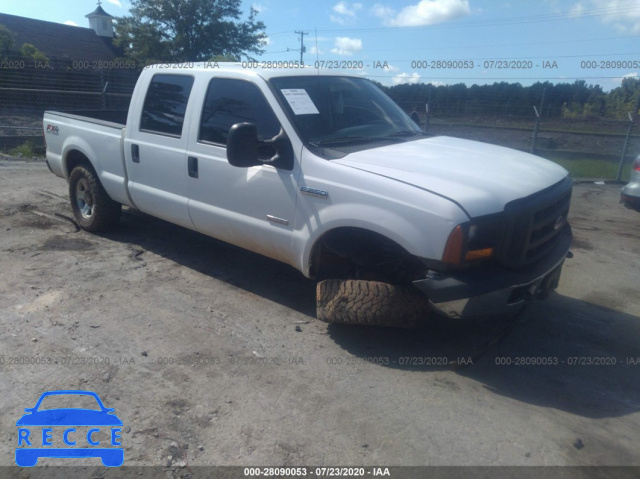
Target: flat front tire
[(92, 208), (372, 303)]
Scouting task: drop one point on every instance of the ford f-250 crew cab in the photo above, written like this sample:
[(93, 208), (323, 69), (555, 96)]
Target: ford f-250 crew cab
[(324, 172)]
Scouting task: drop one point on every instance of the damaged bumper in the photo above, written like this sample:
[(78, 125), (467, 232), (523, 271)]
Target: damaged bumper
[(493, 289)]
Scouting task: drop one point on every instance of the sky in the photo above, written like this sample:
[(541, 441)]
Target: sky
[(432, 41)]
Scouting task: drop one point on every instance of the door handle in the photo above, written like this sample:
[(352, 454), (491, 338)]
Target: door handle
[(192, 166), (135, 153)]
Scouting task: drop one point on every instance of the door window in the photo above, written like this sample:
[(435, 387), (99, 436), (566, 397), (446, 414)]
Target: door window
[(231, 101)]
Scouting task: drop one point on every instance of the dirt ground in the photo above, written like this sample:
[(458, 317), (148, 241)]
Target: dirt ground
[(212, 355)]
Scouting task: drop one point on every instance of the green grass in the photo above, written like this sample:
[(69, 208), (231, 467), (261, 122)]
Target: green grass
[(605, 128), (592, 168), (27, 150)]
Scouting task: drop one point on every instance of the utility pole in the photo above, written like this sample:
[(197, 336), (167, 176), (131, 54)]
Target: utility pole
[(544, 92), (302, 48), (632, 117), (536, 128)]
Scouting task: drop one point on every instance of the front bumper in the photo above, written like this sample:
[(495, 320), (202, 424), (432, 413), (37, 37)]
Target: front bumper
[(630, 194), (492, 289)]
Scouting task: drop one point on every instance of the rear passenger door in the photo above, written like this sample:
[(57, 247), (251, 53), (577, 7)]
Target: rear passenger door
[(155, 149), (249, 207)]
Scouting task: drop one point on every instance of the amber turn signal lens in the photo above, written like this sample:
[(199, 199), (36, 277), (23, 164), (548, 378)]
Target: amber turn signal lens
[(453, 249), (478, 254)]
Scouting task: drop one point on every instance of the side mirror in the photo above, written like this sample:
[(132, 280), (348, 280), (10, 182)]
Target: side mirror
[(242, 145), (245, 150), (283, 157)]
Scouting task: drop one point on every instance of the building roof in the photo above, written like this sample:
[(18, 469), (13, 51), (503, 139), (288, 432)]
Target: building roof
[(57, 40), (99, 12)]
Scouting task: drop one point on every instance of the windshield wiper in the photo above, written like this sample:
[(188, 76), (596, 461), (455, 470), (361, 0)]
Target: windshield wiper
[(405, 133), (347, 139), (396, 136)]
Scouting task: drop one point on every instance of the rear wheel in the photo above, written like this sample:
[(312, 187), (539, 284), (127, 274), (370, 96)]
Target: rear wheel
[(372, 303), (91, 205)]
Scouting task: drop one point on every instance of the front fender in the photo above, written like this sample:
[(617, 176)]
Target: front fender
[(417, 220), (420, 235)]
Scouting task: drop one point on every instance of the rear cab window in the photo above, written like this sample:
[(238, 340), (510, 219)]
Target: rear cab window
[(165, 104)]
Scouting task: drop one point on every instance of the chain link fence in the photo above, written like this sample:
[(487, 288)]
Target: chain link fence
[(28, 88), (599, 149), (590, 149)]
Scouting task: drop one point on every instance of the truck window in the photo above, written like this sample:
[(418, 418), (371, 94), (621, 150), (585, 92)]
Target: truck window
[(235, 101), (165, 104), (333, 110)]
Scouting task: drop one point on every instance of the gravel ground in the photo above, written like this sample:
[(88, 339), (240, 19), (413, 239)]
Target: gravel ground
[(212, 355)]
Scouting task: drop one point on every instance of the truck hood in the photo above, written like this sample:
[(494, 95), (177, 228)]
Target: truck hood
[(480, 177)]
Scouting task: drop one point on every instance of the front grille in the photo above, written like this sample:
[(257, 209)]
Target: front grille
[(534, 224)]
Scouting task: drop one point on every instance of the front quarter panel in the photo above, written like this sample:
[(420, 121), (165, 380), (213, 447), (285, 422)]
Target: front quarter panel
[(417, 220)]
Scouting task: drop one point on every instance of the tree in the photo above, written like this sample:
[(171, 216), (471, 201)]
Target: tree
[(621, 100), (188, 30), (225, 58), (7, 41), (32, 53)]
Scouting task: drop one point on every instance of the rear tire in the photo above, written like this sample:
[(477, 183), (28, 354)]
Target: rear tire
[(92, 208), (370, 303)]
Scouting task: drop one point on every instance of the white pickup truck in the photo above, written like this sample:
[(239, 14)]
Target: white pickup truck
[(324, 172)]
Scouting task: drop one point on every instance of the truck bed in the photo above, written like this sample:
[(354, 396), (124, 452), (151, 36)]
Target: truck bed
[(93, 134), (114, 118)]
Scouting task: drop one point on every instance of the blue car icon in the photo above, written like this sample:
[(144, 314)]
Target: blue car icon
[(27, 456)]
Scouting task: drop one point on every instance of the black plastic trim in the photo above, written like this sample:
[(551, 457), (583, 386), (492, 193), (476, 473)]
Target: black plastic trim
[(490, 278)]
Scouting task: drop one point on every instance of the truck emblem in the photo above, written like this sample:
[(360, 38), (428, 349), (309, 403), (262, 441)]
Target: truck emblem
[(314, 192), (53, 129), (559, 222)]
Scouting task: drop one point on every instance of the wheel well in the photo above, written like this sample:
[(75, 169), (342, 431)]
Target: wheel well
[(75, 158), (357, 253)]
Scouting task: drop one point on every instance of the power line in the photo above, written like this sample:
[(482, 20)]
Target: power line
[(586, 57), (302, 47), (462, 79), (620, 37), (431, 49), (631, 7), (595, 12)]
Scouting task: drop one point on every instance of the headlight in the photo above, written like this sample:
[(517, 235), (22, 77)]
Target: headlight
[(473, 241)]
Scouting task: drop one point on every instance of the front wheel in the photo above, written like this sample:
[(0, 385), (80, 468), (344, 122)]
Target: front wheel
[(370, 303), (91, 205)]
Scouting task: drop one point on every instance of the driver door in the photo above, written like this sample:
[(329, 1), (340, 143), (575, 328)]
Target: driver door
[(249, 207)]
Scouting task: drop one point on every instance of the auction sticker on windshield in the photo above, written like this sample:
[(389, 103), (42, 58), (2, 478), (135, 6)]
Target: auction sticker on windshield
[(299, 101)]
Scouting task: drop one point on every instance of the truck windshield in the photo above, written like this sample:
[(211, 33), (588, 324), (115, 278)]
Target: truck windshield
[(333, 111)]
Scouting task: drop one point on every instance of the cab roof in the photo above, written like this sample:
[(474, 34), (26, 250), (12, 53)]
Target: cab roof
[(266, 73)]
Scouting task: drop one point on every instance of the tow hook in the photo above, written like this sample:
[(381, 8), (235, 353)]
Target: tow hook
[(569, 254)]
